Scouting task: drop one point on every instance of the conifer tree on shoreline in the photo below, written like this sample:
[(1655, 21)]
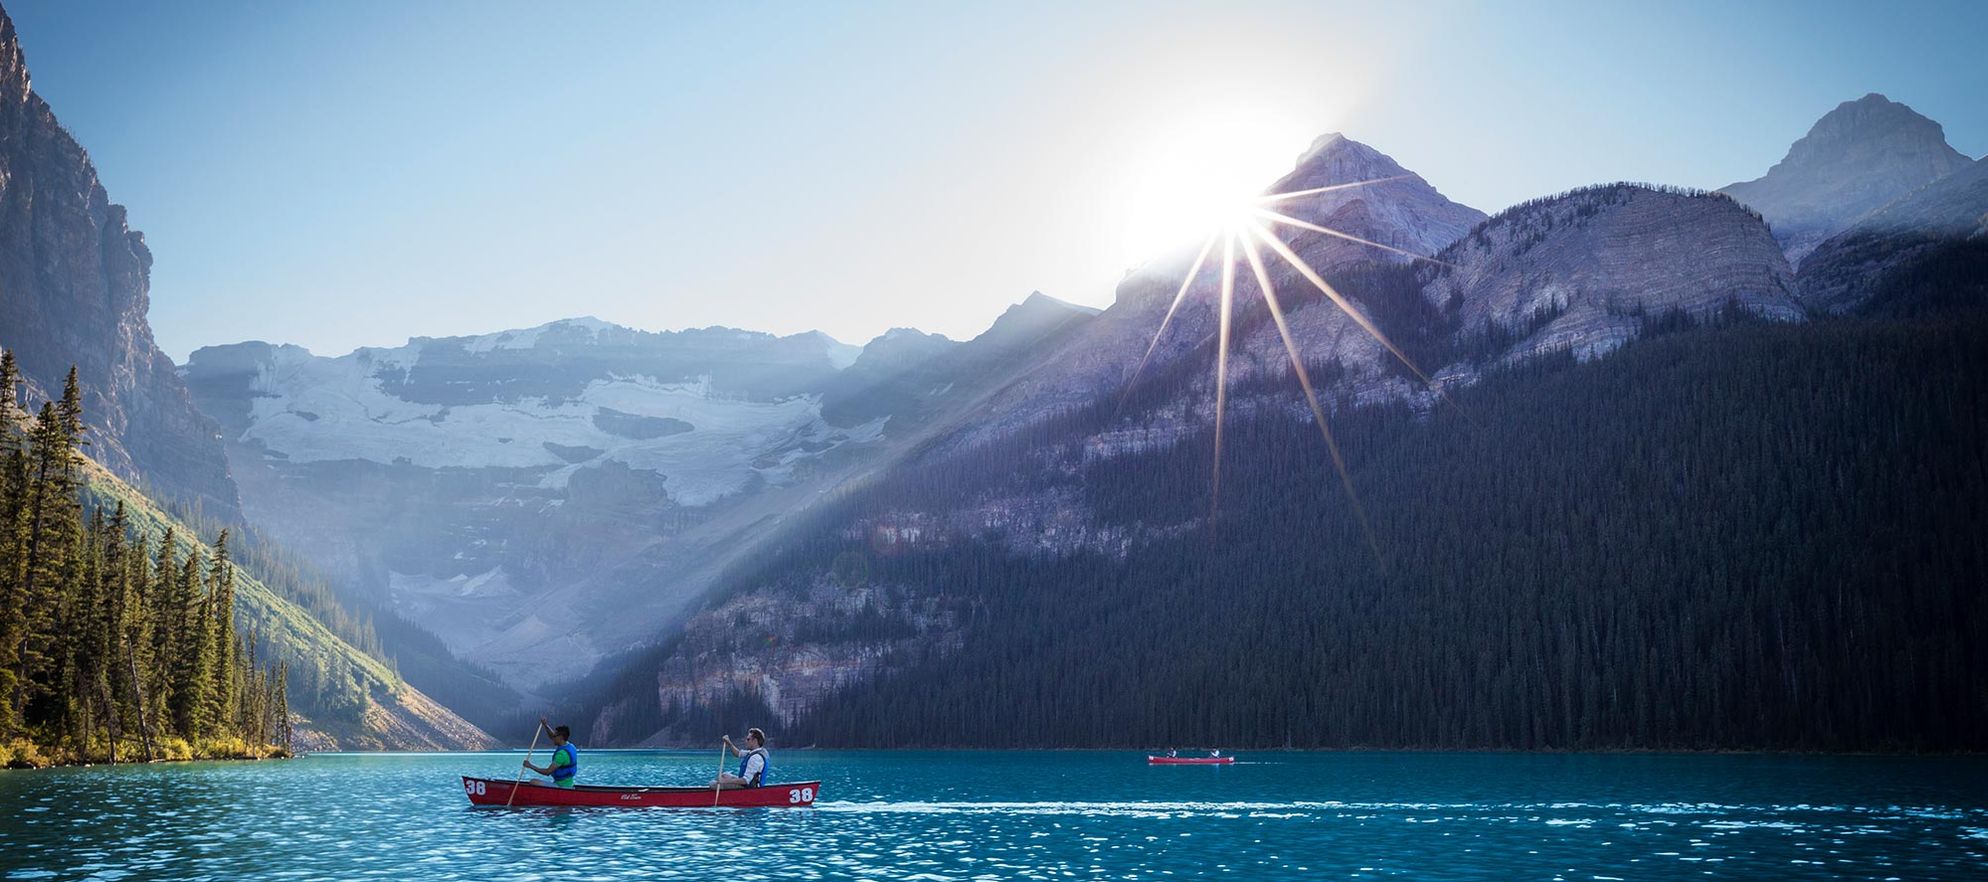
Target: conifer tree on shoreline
[(109, 649)]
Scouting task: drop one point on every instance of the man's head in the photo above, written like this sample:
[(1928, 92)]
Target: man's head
[(756, 737), (560, 735)]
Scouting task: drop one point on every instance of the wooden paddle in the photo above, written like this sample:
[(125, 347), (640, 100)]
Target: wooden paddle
[(528, 758), (718, 783)]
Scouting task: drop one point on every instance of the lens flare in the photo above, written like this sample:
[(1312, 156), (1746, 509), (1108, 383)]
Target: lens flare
[(1241, 230)]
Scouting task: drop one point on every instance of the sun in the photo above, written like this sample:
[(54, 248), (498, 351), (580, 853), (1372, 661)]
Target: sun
[(1200, 177)]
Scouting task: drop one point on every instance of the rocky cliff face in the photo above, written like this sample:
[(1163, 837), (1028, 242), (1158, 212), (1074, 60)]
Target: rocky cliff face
[(73, 290), (1855, 160), (1583, 271)]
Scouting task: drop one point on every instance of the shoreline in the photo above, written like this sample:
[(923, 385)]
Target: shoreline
[(39, 760)]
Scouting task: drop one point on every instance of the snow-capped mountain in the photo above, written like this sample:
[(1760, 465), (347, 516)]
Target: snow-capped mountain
[(474, 483), (1855, 160), (1037, 472), (546, 497), (709, 411), (543, 496)]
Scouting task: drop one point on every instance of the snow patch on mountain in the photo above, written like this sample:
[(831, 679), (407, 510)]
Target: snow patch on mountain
[(309, 409)]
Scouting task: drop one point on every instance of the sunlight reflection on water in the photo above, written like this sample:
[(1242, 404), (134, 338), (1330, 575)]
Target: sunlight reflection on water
[(1011, 815)]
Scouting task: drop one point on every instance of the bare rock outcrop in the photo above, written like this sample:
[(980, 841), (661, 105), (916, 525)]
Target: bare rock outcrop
[(1584, 270), (74, 285)]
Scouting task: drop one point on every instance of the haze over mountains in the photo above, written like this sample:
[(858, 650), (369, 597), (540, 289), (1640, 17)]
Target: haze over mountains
[(652, 530), (543, 497), (504, 510)]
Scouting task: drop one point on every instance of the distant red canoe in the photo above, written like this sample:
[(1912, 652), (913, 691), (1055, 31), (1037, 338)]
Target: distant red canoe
[(496, 791), (1190, 760)]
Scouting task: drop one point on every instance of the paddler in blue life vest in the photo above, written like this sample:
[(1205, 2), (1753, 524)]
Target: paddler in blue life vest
[(754, 762), (565, 762)]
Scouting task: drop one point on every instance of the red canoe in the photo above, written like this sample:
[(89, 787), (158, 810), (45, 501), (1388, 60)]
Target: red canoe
[(1190, 760), (496, 791)]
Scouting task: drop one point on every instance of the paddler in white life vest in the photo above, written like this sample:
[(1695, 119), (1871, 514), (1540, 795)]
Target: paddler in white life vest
[(564, 766), (754, 762)]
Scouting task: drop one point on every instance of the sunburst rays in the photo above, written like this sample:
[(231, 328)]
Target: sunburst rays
[(1246, 234)]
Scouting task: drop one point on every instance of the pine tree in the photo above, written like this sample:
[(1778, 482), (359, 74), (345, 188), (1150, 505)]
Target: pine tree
[(282, 709), (70, 409), (13, 552), (192, 674), (97, 633), (10, 384), (164, 605), (136, 640), (52, 564), (221, 708)]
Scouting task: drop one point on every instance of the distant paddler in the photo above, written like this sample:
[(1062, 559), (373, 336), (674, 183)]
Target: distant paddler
[(565, 762), (754, 762)]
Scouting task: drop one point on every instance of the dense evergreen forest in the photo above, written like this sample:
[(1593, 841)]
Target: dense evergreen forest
[(114, 645), (1743, 536)]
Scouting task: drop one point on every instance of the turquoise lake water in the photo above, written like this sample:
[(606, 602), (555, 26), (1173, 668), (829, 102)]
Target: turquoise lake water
[(1023, 815)]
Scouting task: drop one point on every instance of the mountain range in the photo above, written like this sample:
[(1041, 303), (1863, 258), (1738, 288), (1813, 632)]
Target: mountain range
[(1016, 539), (981, 590)]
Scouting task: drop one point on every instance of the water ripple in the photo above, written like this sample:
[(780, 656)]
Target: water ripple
[(985, 816)]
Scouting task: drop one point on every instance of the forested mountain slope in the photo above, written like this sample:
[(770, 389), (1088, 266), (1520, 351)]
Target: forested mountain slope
[(343, 697), (1937, 224), (1616, 527), (128, 637), (1748, 536)]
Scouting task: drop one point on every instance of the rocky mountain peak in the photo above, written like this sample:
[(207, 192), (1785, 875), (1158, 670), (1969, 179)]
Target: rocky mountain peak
[(1872, 117), (1855, 159), (1398, 208), (1037, 314), (898, 347), (13, 65), (74, 290), (1332, 158)]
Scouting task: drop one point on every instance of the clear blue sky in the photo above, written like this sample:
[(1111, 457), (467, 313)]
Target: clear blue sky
[(353, 173)]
